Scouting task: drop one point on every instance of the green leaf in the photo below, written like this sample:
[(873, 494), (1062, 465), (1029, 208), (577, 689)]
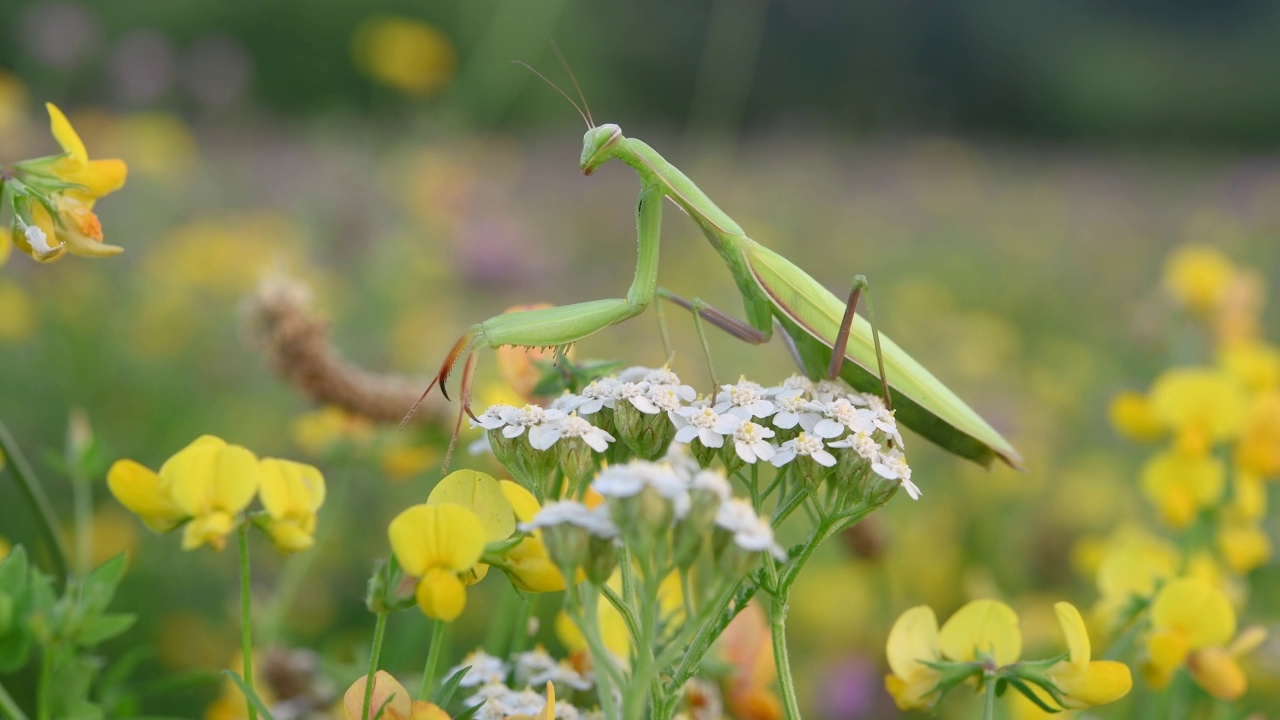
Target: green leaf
[(104, 627), (14, 571), (99, 586), (469, 712), (450, 686), (250, 695)]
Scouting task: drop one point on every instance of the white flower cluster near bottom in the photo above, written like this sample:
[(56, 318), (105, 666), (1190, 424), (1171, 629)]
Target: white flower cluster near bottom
[(530, 670)]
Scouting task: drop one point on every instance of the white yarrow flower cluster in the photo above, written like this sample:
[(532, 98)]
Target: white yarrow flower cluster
[(483, 669), (501, 702), (596, 522), (750, 531)]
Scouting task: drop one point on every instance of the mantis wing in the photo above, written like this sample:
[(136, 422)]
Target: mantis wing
[(812, 315)]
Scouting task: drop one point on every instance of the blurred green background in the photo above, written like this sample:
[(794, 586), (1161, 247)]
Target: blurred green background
[(1009, 176)]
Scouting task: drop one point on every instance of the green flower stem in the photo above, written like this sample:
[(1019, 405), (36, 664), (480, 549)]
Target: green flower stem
[(379, 631), (778, 629), (586, 615), (989, 703), (433, 658), (8, 708), (31, 488), (246, 617), (520, 631)]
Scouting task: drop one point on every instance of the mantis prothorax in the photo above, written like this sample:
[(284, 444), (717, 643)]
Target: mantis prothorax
[(824, 331)]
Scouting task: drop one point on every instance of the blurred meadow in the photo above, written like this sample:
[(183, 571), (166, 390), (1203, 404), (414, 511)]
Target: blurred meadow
[(1013, 184)]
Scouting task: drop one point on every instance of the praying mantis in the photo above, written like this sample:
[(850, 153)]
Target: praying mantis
[(827, 336)]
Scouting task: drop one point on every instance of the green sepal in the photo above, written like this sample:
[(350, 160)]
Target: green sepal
[(469, 712), (105, 627), (1030, 694)]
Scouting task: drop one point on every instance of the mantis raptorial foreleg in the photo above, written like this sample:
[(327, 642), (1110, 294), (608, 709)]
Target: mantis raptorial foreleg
[(841, 345)]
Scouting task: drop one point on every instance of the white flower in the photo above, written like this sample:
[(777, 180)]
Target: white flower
[(634, 374), (493, 417), (804, 445), (745, 400), (543, 436), (882, 418), (828, 390), (861, 442), (567, 402), (714, 482), (893, 466), (536, 668), (484, 669), (750, 531), (526, 417), (622, 481), (798, 384), (599, 393), (792, 408), (668, 398), (573, 513), (838, 415), (703, 423), (750, 443), (635, 393), (681, 460)]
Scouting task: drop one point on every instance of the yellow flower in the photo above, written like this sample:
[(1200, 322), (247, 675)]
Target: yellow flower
[(982, 627), (76, 227), (1085, 682), (1132, 416), (211, 482), (436, 543), (1181, 485), (317, 431), (145, 494), (1243, 544), (1203, 406), (483, 496), (528, 564), (292, 493), (1215, 668), (1187, 615), (1258, 449), (913, 641), (408, 55), (392, 697), (402, 460), (1254, 363), (18, 315), (1197, 276)]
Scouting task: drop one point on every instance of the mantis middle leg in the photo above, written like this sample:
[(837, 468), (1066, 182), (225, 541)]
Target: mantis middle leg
[(566, 324)]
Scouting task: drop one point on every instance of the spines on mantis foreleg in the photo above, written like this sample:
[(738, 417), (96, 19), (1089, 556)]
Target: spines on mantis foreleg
[(463, 344)]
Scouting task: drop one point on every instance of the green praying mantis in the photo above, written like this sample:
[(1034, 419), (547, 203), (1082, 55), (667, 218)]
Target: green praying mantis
[(827, 336)]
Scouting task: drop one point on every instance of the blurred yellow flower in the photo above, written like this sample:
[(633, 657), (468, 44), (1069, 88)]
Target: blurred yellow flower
[(17, 313), (207, 484), (406, 54), (613, 628), (13, 104), (1182, 484), (392, 697), (913, 641), (1243, 544), (436, 543), (982, 627), (1196, 276), (317, 431), (1255, 364), (1187, 615), (1132, 417), (401, 460), (1203, 406), (1258, 449), (1085, 682), (292, 493), (747, 646), (76, 228)]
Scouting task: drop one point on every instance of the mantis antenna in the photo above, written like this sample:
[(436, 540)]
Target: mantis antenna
[(585, 118), (573, 79)]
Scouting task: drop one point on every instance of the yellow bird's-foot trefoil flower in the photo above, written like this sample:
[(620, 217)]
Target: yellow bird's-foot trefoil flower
[(982, 642), (391, 698), (292, 493), (52, 198), (437, 544), (1192, 625)]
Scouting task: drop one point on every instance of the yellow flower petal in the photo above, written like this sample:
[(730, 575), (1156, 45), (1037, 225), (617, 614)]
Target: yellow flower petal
[(212, 528), (1077, 635), (441, 595), (1131, 416), (530, 567), (291, 489), (210, 475), (1205, 399), (982, 626), (1094, 683), (431, 536), (1166, 650), (141, 490), (293, 535), (66, 135), (481, 494), (912, 641), (522, 501), (387, 692), (1182, 485), (1195, 609), (1216, 670)]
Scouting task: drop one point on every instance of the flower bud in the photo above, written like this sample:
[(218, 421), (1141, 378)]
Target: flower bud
[(576, 461), (567, 545), (647, 434), (602, 558)]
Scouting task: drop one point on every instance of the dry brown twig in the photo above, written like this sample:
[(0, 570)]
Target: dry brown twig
[(279, 321)]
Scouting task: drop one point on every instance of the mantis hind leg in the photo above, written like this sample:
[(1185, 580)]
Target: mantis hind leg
[(841, 345)]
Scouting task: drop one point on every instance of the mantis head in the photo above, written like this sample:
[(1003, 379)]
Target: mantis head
[(597, 146)]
